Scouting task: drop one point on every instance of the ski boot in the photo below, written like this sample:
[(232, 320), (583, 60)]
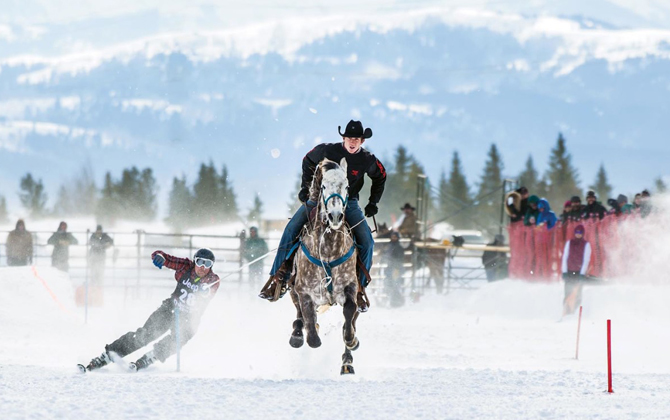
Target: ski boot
[(143, 362), (96, 363)]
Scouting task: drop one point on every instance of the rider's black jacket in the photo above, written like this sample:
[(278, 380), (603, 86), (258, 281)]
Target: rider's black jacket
[(358, 164)]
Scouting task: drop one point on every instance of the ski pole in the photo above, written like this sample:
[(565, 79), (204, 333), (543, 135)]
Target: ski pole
[(177, 336), (207, 286)]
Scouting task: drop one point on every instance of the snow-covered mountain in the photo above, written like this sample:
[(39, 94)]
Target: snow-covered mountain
[(257, 97)]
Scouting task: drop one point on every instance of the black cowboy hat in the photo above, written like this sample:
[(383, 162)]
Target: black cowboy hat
[(407, 206), (355, 129)]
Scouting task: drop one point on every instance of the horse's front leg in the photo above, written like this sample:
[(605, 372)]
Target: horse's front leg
[(297, 337), (309, 320), (349, 330)]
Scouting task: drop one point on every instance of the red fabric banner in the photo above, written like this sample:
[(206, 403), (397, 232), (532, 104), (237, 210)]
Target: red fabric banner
[(536, 253)]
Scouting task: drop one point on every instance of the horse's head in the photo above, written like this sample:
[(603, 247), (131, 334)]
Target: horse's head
[(330, 187)]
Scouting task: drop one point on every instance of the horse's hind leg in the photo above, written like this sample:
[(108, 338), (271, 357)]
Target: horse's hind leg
[(349, 331), (297, 337), (309, 320)]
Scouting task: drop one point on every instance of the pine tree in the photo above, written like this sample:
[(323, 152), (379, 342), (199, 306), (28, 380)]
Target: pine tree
[(256, 212), (64, 204), (661, 187), (443, 197), (455, 196), (401, 184), (147, 192), (228, 198), (32, 196), (562, 176), (4, 215), (180, 205), (206, 194), (488, 210), (108, 206), (601, 186), (529, 177)]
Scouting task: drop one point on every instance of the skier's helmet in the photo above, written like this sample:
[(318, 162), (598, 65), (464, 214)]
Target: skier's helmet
[(203, 257)]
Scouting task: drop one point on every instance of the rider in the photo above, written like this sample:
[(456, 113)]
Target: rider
[(359, 162)]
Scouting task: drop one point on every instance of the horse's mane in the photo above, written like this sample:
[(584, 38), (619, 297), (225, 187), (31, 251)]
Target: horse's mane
[(317, 179)]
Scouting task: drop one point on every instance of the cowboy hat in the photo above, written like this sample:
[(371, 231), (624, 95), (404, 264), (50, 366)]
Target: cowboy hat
[(355, 129), (407, 206)]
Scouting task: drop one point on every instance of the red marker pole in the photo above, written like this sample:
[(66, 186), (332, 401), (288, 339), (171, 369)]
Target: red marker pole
[(579, 327), (609, 356)]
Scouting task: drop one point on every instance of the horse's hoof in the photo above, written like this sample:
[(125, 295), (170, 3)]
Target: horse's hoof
[(347, 370), (297, 340), (353, 346), (313, 341)]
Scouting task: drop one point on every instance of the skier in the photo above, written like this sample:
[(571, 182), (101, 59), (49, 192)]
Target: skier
[(196, 286), (359, 163)]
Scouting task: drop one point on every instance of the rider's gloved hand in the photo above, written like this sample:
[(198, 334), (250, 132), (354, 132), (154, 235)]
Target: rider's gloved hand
[(159, 260), (371, 209), (303, 195)]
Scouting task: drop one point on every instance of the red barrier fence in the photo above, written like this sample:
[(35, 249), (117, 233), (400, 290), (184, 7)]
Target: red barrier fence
[(536, 253)]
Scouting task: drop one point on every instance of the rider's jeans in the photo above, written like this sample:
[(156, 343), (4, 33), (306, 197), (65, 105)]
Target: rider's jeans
[(354, 217)]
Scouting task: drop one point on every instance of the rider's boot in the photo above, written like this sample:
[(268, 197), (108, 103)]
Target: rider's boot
[(277, 285)]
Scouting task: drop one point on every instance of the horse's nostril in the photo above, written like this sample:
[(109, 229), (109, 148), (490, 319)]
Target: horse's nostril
[(340, 217)]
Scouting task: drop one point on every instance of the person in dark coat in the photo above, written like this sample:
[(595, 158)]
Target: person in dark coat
[(593, 208), (19, 246), (495, 262), (645, 206), (567, 208), (408, 227), (517, 204), (254, 247), (61, 240), (99, 243), (577, 209), (394, 258)]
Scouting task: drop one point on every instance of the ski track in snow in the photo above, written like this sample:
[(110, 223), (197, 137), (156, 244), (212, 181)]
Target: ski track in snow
[(493, 353)]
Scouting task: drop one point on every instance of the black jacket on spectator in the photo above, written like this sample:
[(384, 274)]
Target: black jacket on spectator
[(61, 254), (521, 213), (594, 210)]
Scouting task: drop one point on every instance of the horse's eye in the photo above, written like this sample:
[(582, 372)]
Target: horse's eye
[(347, 187)]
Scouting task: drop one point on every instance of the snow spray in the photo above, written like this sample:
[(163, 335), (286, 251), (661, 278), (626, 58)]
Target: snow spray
[(609, 356), (579, 326)]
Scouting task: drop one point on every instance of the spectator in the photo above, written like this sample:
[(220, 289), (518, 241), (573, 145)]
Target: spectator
[(531, 215), (19, 246), (626, 208), (394, 257), (576, 258), (577, 208), (61, 240), (593, 208), (516, 204), (645, 206), (495, 262), (100, 242), (567, 208), (637, 202), (407, 226), (255, 247), (545, 216)]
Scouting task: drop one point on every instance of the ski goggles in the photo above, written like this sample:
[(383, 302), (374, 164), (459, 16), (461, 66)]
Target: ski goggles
[(204, 262)]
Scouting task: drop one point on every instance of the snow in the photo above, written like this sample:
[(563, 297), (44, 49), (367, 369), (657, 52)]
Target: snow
[(575, 44), (497, 352)]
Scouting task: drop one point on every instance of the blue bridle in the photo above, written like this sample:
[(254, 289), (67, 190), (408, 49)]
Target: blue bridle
[(336, 195)]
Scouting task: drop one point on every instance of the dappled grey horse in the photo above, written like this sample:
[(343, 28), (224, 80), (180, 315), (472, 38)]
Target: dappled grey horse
[(325, 262)]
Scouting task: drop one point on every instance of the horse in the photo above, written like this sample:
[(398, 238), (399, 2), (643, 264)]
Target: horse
[(325, 263)]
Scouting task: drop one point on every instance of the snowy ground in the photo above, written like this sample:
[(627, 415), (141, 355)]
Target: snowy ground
[(494, 353)]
